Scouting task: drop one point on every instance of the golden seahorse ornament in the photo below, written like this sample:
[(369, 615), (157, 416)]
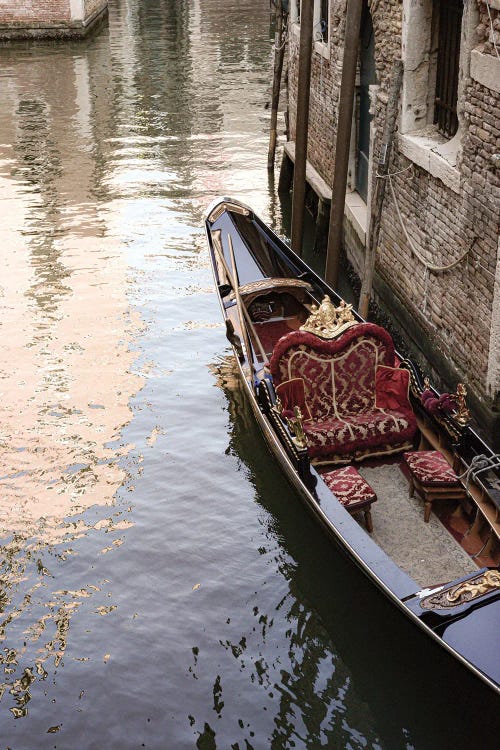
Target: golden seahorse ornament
[(477, 587)]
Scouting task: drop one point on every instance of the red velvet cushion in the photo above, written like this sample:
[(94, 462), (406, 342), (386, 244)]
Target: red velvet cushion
[(291, 393), (349, 487), (392, 388), (360, 432), (430, 468)]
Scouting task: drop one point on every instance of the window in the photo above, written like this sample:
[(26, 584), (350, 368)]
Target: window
[(438, 40), (295, 11), (321, 20), (447, 15)]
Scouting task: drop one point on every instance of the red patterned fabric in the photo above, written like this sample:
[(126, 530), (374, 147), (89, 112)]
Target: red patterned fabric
[(271, 331), (430, 468), (392, 387), (349, 362), (368, 430), (349, 487), (340, 389), (291, 393)]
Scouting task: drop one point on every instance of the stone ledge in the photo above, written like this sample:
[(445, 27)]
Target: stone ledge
[(485, 69), (322, 48), (313, 178), (18, 30), (437, 156), (356, 213)]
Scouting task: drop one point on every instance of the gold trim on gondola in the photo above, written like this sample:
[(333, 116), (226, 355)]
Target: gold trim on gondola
[(227, 206), (264, 285)]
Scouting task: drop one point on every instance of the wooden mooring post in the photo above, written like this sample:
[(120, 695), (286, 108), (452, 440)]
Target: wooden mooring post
[(379, 192), (344, 126), (302, 126), (279, 53)]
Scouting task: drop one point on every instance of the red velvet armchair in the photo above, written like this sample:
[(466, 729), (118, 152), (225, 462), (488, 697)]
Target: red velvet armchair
[(354, 401)]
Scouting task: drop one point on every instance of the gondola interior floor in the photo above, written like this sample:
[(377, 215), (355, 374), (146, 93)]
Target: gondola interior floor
[(426, 551)]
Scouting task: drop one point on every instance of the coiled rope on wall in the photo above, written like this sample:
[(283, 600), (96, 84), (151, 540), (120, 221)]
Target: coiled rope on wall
[(428, 265)]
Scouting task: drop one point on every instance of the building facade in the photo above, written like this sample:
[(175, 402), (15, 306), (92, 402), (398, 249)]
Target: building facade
[(34, 19), (438, 257)]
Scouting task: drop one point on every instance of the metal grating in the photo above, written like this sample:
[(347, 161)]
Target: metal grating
[(449, 14), (324, 18)]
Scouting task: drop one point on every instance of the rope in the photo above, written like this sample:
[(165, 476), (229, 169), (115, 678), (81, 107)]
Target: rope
[(492, 30), (478, 465), (284, 37), (414, 249), (393, 174), (496, 275)]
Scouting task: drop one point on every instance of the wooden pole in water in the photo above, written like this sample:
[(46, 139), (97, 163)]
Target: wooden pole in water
[(344, 125), (302, 126), (279, 53), (391, 116)]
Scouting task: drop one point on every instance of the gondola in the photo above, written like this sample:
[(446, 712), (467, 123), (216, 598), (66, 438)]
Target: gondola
[(391, 468)]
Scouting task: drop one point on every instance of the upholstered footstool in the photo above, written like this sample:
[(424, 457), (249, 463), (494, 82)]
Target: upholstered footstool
[(352, 491), (433, 478)]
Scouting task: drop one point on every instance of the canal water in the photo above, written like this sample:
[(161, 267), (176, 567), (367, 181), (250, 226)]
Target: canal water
[(160, 585)]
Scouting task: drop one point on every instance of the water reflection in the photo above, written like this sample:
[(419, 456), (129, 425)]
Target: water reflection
[(67, 335), (97, 144)]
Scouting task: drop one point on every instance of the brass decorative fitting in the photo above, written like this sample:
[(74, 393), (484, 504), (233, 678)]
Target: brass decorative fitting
[(296, 426), (462, 414)]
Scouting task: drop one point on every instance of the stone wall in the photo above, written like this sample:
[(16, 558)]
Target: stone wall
[(49, 18), (448, 197)]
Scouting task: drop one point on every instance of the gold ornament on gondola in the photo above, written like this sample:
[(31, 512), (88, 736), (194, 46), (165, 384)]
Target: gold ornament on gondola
[(462, 414), (296, 426), (461, 593), (328, 321)]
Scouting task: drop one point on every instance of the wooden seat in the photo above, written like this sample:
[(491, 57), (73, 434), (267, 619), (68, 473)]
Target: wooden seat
[(352, 491), (433, 478)]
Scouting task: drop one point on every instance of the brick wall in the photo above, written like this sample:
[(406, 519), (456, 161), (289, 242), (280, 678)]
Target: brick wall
[(452, 309)]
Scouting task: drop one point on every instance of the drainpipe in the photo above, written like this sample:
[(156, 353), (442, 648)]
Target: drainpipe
[(303, 91), (391, 116), (344, 124)]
